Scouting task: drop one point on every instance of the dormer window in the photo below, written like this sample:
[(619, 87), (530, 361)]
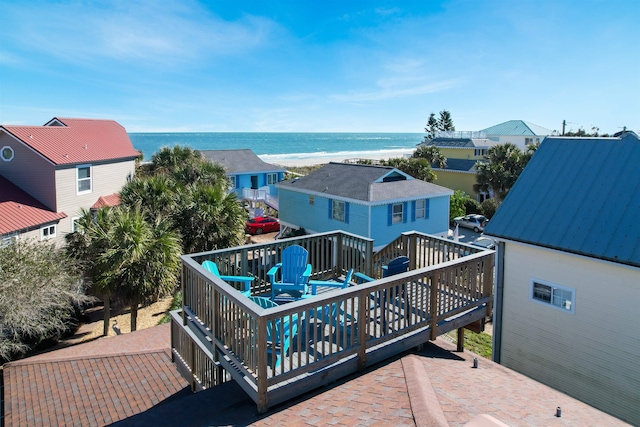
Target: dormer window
[(7, 153), (83, 174)]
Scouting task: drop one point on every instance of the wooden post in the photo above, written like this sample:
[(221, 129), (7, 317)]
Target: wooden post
[(460, 346), (433, 306), (263, 398), (183, 285), (363, 315)]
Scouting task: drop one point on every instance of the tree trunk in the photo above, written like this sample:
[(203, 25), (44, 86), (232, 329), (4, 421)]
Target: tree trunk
[(134, 316), (106, 314)]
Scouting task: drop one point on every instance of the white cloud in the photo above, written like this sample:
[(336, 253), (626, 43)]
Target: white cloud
[(165, 33)]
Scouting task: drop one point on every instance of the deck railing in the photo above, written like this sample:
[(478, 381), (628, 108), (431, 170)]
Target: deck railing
[(337, 332)]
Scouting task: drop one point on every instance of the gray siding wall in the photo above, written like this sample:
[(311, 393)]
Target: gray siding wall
[(30, 171), (593, 354), (107, 178)]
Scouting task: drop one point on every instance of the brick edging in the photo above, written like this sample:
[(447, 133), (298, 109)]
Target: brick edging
[(424, 402)]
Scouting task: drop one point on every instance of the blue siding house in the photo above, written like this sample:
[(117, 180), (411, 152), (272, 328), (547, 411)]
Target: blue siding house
[(252, 178), (567, 292), (372, 201)]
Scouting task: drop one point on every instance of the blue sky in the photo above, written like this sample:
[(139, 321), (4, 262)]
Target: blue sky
[(315, 66)]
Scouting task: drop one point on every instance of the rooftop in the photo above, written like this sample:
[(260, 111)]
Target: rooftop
[(20, 211), (583, 192), (129, 380), (237, 161), (74, 141), (517, 127)]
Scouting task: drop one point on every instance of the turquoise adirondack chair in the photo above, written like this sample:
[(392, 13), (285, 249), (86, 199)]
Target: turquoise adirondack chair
[(294, 273), (211, 267), (274, 331), (329, 283)]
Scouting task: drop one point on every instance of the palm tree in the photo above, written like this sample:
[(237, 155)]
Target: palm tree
[(210, 218), (144, 259), (86, 244), (501, 169), (432, 154)]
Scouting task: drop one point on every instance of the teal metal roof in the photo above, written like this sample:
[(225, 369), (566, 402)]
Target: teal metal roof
[(517, 127), (579, 195)]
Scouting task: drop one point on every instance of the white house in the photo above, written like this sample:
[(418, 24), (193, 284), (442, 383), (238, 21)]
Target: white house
[(567, 297)]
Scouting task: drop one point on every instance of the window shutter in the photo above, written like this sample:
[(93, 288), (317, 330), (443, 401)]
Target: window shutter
[(405, 215), (413, 210), (346, 212), (390, 215), (330, 208), (426, 209)]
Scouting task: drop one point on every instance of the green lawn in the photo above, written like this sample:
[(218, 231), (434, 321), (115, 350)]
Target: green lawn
[(480, 343)]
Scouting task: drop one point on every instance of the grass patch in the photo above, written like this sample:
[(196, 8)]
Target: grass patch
[(176, 303), (479, 344)]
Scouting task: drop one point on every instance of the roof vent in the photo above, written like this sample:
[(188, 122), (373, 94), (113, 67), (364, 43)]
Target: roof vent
[(31, 136), (86, 146)]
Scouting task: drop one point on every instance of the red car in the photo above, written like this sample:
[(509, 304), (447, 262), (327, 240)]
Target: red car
[(262, 224)]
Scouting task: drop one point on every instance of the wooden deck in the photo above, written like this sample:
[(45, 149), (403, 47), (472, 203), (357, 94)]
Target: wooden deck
[(220, 334)]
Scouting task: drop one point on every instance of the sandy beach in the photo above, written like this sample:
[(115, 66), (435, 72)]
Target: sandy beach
[(320, 159)]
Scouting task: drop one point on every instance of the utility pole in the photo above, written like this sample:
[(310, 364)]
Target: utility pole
[(564, 123)]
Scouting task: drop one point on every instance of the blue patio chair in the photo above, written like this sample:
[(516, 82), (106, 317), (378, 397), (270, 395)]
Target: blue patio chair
[(264, 302), (396, 266), (279, 336), (329, 283), (289, 331), (294, 273), (211, 267)]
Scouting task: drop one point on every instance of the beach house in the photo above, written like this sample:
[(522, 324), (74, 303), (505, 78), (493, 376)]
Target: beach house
[(58, 169), (371, 201), (251, 178), (568, 271), (517, 132), (462, 151)]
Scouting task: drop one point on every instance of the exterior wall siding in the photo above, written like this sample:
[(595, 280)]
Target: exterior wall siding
[(591, 354), (30, 171), (107, 178), (457, 181), (295, 209)]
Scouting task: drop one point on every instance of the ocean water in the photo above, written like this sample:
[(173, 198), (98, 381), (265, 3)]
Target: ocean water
[(275, 146)]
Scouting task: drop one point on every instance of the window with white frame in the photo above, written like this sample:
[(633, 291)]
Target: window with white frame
[(552, 294), (337, 210), (7, 238), (232, 178), (397, 212), (272, 178), (84, 179), (74, 223), (420, 208), (48, 232), (7, 153)]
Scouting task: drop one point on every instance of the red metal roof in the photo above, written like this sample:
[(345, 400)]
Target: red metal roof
[(110, 200), (19, 211), (75, 141)]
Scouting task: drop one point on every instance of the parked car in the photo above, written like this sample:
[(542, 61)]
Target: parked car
[(484, 242), (476, 222), (262, 224)]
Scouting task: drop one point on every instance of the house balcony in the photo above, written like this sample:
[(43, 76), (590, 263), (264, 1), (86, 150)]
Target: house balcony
[(220, 335), (260, 195)]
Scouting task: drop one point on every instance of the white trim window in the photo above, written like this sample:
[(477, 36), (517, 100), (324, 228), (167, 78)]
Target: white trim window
[(232, 179), (7, 153), (420, 208), (48, 232), (337, 209), (74, 223), (560, 297), (397, 213), (8, 238), (272, 178), (84, 179)]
